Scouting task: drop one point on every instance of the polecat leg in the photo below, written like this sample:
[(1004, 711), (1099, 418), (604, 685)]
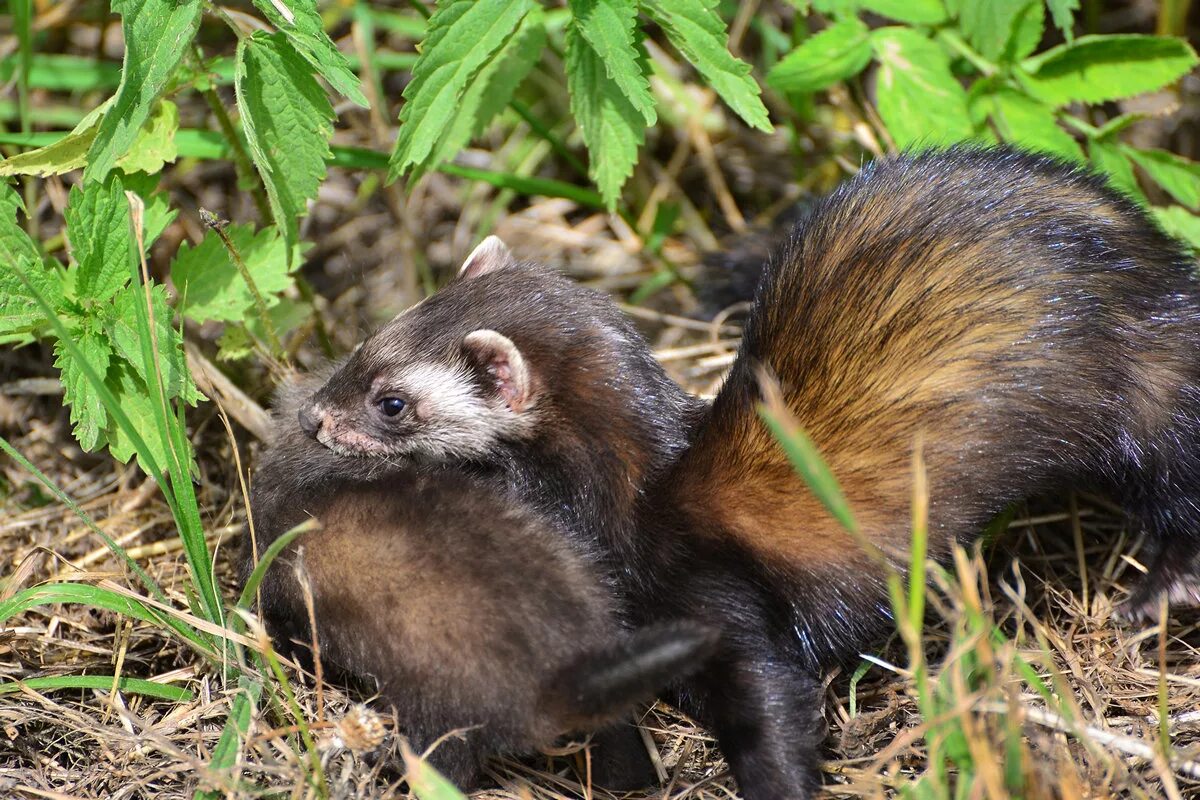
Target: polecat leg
[(1171, 513), (766, 713), (620, 762)]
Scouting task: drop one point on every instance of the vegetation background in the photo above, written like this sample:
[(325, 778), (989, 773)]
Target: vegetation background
[(197, 196)]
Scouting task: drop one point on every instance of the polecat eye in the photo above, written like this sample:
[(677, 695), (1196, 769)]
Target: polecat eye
[(391, 406)]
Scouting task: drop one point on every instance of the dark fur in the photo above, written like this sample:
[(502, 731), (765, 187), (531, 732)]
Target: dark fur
[(469, 609), (1034, 328)]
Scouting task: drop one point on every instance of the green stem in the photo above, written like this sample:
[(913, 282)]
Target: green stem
[(260, 305), (959, 45)]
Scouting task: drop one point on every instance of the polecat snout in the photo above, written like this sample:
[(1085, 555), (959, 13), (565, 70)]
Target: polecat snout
[(470, 610), (1034, 328)]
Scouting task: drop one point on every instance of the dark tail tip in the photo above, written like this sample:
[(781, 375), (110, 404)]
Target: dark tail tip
[(603, 684)]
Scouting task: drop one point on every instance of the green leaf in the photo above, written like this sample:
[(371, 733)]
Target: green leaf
[(134, 396), (1107, 157), (839, 52), (988, 24), (914, 12), (87, 409), (153, 146), (1176, 174), (608, 27), (1062, 11), (464, 37), (425, 781), (1024, 121), (19, 310), (1028, 24), (158, 213), (612, 128), (1096, 69), (696, 31), (918, 98), (157, 35), (493, 87), (288, 122), (98, 229), (1180, 223), (122, 326), (209, 285), (300, 22)]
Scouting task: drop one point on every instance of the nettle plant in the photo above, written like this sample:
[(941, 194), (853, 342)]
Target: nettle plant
[(959, 70)]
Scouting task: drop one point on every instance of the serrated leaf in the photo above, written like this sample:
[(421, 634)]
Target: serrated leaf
[(285, 315), (1176, 174), (288, 123), (300, 22), (464, 37), (1096, 69), (914, 12), (123, 327), (1108, 159), (612, 128), (918, 98), (153, 146), (696, 31), (158, 213), (19, 311), (87, 409), (1180, 223), (1028, 24), (209, 285), (988, 24), (839, 52), (234, 344), (493, 87), (157, 35), (134, 396), (98, 229), (608, 27), (1024, 121), (1062, 12)]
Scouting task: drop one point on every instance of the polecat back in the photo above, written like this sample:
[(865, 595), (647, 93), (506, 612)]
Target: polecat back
[(470, 610)]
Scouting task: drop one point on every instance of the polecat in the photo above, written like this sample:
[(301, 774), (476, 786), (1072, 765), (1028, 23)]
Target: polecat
[(1035, 328), (470, 609)]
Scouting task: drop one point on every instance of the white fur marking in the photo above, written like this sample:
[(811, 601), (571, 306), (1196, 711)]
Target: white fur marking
[(488, 256)]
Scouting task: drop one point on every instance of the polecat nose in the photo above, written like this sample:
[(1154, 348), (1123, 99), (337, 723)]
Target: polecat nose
[(310, 423)]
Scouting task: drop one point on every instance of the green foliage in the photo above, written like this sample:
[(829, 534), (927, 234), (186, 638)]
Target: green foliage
[(157, 35), (839, 52), (288, 122), (967, 71)]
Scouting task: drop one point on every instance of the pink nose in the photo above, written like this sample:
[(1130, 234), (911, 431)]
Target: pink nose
[(310, 422)]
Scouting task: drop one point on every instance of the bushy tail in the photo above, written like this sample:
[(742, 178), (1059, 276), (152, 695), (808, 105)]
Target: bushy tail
[(602, 684)]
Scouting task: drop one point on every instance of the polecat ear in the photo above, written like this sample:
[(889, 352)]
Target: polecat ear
[(488, 256), (496, 353)]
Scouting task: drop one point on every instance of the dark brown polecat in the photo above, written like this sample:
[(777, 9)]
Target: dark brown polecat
[(469, 609), (1033, 327)]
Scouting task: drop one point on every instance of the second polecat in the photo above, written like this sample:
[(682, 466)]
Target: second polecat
[(1035, 329), (470, 610)]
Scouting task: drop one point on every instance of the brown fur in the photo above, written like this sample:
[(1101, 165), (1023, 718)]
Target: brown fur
[(1034, 329), (467, 610)]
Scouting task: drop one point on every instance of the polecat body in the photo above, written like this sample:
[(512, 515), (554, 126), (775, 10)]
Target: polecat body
[(469, 609), (1033, 328)]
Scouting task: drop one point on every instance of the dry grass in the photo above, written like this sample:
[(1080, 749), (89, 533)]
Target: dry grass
[(1049, 583)]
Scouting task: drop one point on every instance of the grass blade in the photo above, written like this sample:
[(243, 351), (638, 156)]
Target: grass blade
[(124, 684)]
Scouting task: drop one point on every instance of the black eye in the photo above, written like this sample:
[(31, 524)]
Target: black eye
[(391, 406)]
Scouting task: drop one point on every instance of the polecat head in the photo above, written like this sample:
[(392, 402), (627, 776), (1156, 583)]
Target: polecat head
[(447, 377)]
